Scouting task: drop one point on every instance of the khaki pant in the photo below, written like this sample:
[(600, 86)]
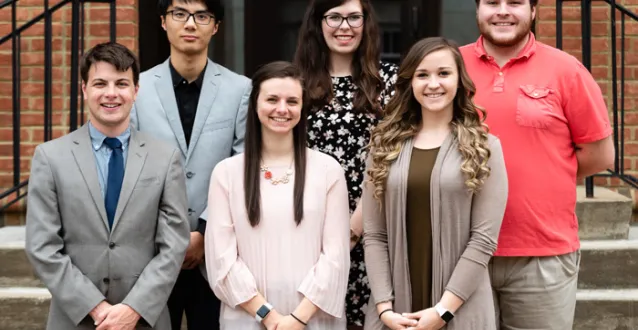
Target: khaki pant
[(535, 293)]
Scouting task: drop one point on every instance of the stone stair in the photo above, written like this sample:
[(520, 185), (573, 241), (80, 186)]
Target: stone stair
[(24, 303), (607, 297)]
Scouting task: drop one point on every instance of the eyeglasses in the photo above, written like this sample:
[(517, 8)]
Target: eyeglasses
[(201, 18), (335, 21)]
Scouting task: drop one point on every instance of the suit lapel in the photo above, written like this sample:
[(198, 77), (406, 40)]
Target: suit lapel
[(205, 104), (85, 159), (134, 162), (166, 94)]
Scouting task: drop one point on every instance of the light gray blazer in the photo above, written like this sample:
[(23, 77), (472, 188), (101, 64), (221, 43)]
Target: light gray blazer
[(69, 243), (465, 228), (218, 131)]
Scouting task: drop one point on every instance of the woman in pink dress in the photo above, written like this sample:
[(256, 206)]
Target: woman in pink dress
[(277, 241)]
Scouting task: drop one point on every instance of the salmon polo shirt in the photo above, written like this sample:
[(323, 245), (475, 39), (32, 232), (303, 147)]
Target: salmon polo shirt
[(540, 104)]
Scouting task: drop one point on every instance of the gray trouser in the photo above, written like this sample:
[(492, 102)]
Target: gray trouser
[(535, 293)]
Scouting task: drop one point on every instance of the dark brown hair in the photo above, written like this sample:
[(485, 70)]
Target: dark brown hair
[(253, 142), (313, 58), (113, 53), (532, 3)]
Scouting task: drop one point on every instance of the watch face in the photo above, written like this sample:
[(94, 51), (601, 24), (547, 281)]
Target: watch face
[(263, 311), (447, 317)]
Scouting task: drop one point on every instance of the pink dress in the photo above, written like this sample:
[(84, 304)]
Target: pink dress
[(282, 261)]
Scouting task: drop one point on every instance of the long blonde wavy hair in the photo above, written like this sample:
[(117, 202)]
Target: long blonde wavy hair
[(402, 119)]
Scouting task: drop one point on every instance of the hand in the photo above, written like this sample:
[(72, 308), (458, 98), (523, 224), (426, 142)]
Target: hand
[(99, 312), (428, 319), (120, 317), (289, 323), (272, 320), (396, 321), (195, 252)]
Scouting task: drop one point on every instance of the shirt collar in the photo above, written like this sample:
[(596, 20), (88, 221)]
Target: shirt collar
[(526, 52), (97, 137), (179, 80)]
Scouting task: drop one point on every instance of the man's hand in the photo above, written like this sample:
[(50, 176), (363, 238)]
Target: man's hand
[(396, 321), (289, 323), (195, 252), (428, 319), (120, 317), (100, 312)]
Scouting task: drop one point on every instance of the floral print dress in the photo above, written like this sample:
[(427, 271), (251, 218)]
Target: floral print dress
[(341, 132)]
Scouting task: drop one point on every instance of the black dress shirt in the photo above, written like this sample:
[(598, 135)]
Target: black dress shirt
[(187, 96)]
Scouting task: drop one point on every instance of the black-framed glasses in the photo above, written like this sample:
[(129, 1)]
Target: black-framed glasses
[(335, 21), (201, 18)]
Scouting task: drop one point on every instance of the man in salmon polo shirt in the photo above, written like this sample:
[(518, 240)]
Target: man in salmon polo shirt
[(552, 121)]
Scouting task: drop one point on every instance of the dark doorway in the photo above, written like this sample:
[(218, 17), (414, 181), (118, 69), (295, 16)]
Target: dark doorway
[(271, 27), (154, 47)]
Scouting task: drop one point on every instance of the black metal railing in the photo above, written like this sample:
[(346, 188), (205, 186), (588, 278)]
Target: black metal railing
[(19, 189), (618, 109)]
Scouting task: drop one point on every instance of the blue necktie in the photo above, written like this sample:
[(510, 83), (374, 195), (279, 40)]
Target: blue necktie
[(115, 178)]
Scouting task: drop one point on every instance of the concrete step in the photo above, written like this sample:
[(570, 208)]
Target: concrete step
[(609, 264), (24, 308), (606, 310), (16, 270), (606, 216)]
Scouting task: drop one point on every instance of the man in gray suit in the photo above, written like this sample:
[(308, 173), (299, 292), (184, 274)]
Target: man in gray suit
[(200, 107), (106, 215)]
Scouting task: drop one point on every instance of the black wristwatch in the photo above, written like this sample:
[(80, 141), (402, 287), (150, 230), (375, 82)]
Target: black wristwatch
[(262, 312), (445, 314)]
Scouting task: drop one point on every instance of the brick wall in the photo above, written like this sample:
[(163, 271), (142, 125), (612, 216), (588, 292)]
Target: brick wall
[(32, 99), (601, 61)]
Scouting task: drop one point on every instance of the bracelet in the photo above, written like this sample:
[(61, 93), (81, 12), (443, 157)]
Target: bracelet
[(296, 318), (387, 310)]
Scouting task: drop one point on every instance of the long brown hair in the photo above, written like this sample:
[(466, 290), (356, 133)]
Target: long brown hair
[(253, 143), (403, 118), (313, 58)]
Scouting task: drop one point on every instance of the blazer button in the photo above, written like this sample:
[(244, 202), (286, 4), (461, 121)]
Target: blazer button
[(190, 175), (106, 281), (111, 245)]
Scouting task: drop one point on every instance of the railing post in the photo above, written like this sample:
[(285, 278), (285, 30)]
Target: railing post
[(15, 39), (75, 38), (112, 21), (48, 76), (585, 9), (559, 24)]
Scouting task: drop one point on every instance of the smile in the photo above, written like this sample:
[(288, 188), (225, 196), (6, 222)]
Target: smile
[(503, 24), (280, 120), (433, 96), (344, 38), (110, 105)]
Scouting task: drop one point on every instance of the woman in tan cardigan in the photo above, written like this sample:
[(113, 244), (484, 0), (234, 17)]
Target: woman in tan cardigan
[(433, 199)]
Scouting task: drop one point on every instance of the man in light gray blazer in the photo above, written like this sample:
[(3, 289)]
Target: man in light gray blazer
[(106, 215), (199, 107)]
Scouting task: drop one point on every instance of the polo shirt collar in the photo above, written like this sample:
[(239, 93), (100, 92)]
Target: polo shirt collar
[(526, 52)]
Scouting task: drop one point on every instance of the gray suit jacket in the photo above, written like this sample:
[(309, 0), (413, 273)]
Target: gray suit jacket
[(69, 243), (218, 131)]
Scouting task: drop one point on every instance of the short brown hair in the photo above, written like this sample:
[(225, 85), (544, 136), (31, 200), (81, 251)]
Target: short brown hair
[(113, 53), (532, 3)]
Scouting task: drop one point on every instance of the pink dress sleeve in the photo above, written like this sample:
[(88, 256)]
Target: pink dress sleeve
[(229, 277), (326, 283)]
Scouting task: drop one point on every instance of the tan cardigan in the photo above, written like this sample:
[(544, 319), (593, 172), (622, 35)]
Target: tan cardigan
[(465, 229)]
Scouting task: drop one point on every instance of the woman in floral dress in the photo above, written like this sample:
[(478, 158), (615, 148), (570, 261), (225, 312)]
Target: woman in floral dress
[(339, 55)]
